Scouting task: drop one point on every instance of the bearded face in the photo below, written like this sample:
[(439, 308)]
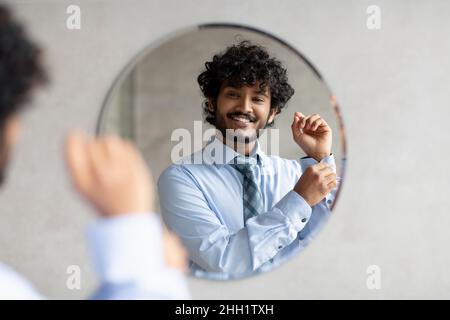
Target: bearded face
[(242, 112)]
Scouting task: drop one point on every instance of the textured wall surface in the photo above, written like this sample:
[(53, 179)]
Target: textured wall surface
[(392, 85)]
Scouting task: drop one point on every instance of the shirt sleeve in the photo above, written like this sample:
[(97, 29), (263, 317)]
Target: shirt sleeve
[(321, 211), (15, 287), (211, 245), (127, 252)]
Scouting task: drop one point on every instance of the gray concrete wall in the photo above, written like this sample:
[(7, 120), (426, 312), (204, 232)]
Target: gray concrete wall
[(392, 85)]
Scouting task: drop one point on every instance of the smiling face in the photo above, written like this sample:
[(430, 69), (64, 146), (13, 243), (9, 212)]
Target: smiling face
[(244, 111)]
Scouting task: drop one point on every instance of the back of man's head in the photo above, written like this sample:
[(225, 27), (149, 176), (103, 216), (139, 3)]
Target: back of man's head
[(20, 71)]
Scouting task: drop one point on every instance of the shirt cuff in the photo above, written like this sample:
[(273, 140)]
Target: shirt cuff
[(308, 161), (296, 209), (126, 247)]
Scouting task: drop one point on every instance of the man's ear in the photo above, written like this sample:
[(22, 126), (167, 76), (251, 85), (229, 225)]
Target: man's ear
[(272, 113), (12, 130), (211, 106)]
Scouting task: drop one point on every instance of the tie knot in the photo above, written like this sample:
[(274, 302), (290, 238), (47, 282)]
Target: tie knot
[(244, 160), (245, 166), (245, 169)]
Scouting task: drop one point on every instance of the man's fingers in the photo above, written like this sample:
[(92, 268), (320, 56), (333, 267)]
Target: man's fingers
[(176, 255), (311, 120), (326, 167), (323, 166), (73, 144), (330, 177), (97, 156), (303, 122), (296, 123), (320, 166), (115, 145), (133, 152), (324, 123), (329, 172), (316, 124), (301, 116), (323, 169), (323, 126), (76, 156), (332, 184), (307, 121)]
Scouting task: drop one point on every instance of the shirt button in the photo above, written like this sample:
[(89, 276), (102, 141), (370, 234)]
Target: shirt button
[(329, 201), (304, 220), (280, 247)]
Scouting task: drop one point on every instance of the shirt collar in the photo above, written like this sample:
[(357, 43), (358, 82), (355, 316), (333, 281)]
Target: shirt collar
[(217, 152)]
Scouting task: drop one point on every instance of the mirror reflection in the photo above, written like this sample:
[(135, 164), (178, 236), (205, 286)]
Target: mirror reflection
[(245, 142)]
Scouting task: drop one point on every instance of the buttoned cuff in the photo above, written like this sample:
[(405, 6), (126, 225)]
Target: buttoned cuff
[(308, 161), (296, 209), (298, 213)]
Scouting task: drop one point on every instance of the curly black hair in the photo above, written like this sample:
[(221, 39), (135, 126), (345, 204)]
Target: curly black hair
[(244, 64), (20, 67)]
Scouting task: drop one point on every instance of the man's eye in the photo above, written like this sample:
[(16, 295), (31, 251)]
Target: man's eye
[(259, 100), (232, 94)]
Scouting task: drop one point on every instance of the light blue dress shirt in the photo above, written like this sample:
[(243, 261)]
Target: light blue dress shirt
[(201, 201), (128, 256)]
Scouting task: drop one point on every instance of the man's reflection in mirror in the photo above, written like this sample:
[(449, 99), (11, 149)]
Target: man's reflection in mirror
[(238, 210)]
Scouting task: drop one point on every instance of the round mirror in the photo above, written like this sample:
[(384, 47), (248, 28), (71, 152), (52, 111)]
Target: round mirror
[(241, 204)]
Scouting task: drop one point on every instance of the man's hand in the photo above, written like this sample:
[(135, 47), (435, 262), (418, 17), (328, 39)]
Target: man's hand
[(315, 183), (312, 134), (175, 254), (110, 173)]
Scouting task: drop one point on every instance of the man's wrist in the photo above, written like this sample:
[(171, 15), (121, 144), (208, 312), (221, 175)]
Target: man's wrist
[(318, 157), (303, 196)]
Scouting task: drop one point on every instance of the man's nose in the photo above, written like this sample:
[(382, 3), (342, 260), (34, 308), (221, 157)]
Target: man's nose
[(245, 104)]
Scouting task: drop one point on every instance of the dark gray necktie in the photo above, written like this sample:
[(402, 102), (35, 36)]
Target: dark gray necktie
[(252, 197)]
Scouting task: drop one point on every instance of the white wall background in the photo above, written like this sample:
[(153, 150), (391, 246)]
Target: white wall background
[(392, 85)]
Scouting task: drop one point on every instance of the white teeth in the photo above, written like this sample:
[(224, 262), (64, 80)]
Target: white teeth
[(241, 119)]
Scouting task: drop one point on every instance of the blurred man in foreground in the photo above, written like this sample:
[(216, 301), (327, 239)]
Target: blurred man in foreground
[(133, 255)]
